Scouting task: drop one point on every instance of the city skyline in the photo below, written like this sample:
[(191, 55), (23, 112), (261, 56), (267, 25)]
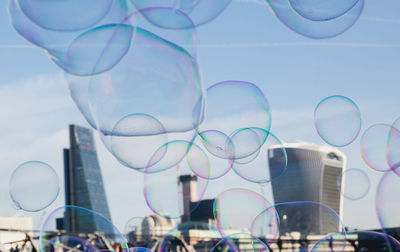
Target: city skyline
[(37, 130)]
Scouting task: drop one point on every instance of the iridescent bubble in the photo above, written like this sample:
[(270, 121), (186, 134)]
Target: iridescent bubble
[(393, 147), (236, 209), (257, 170), (34, 185), (57, 43), (86, 223), (387, 207), (315, 29), (200, 11), (337, 120), (317, 10), (247, 243), (134, 224), (304, 217), (205, 167), (56, 15), (378, 146), (231, 106), (354, 184), (357, 240), (163, 194), (182, 231)]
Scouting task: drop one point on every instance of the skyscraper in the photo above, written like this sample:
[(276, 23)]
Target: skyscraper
[(83, 181), (311, 175)]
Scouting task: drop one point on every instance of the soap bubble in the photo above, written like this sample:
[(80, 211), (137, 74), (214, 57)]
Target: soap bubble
[(162, 190), (232, 106), (387, 208), (354, 184), (337, 120), (378, 146), (34, 185), (317, 10), (200, 11), (236, 209), (257, 170), (83, 221), (231, 243), (315, 29)]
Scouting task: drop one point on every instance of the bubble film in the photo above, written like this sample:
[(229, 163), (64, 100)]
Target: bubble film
[(247, 243), (162, 190), (33, 186), (393, 148), (89, 223), (133, 224), (231, 106), (315, 29), (337, 120), (183, 231), (236, 209), (378, 146), (199, 11), (358, 240), (387, 209), (305, 217), (257, 170), (354, 184), (322, 10)]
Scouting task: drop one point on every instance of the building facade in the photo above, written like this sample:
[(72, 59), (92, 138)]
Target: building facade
[(312, 174), (83, 181)]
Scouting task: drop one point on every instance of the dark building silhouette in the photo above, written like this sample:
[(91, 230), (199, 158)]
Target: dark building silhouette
[(83, 182), (311, 175)]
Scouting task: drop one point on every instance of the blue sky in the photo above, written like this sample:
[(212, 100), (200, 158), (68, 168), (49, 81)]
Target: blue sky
[(246, 42)]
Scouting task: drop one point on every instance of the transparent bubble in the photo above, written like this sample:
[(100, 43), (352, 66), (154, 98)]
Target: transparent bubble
[(93, 228), (337, 120), (183, 231), (232, 106), (304, 217), (247, 243), (164, 194), (317, 10), (57, 43), (33, 186), (354, 184), (357, 240), (56, 15), (199, 11), (236, 209), (393, 148), (315, 29), (205, 167), (257, 170), (378, 146), (133, 224), (387, 208)]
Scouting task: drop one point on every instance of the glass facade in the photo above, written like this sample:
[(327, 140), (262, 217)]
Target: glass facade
[(311, 175), (83, 181)]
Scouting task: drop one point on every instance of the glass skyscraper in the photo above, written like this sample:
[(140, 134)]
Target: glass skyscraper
[(312, 174), (83, 181)]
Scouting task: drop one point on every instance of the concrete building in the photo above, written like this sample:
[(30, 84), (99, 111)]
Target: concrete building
[(311, 175)]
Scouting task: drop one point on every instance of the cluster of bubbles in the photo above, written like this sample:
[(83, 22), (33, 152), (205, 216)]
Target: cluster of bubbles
[(132, 71)]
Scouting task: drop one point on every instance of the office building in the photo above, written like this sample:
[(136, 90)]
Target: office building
[(83, 181), (311, 175)]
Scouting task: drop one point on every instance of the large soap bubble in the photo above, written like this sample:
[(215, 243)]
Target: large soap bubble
[(304, 217), (353, 183), (378, 147), (256, 169), (387, 207), (34, 186), (94, 229), (162, 190), (232, 106), (318, 10), (200, 11), (56, 15), (236, 209), (315, 29), (337, 120)]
